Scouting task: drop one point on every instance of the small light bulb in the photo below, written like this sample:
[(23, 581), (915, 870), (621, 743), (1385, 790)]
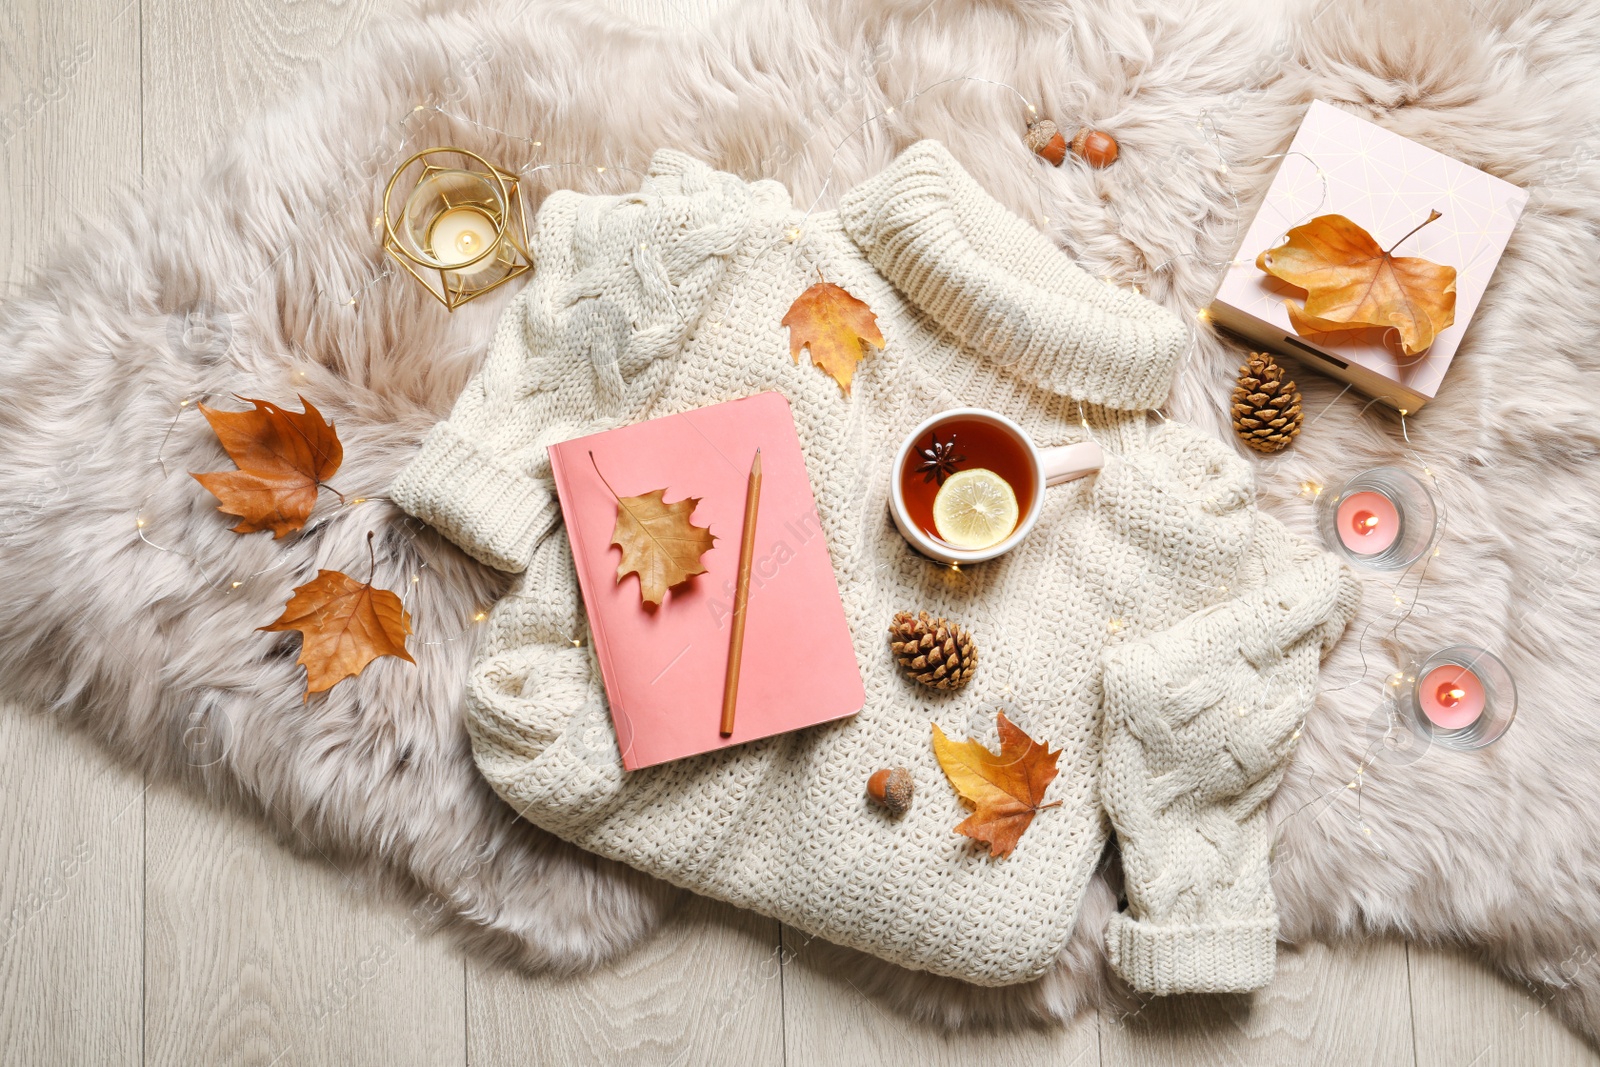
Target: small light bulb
[(793, 233), (139, 523), (237, 584), (599, 170), (480, 616)]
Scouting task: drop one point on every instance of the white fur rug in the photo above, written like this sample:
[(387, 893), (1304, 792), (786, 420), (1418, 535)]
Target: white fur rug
[(241, 282)]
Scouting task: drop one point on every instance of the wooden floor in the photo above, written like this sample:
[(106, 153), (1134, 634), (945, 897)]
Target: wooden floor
[(143, 927)]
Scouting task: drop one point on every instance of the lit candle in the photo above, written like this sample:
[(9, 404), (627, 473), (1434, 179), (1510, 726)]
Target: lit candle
[(1451, 697), (461, 234), (1367, 522)]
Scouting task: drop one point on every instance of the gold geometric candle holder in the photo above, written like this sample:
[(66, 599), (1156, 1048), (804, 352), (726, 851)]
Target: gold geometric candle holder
[(460, 228)]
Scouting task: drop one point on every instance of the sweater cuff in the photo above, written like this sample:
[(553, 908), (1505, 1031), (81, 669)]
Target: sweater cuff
[(1212, 957), (496, 515)]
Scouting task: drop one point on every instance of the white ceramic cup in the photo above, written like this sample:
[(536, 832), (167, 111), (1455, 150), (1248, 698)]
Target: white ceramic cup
[(1051, 466)]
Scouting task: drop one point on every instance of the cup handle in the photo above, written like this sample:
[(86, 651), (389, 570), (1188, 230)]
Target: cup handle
[(1066, 462)]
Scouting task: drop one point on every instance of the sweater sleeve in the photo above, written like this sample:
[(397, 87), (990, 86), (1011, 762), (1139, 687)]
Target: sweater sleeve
[(1200, 722), (478, 478), (619, 282)]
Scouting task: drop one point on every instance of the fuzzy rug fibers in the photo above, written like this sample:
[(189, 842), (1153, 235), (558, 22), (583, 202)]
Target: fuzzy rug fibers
[(131, 611)]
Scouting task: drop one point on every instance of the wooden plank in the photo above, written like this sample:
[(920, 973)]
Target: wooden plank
[(254, 954), (706, 991), (71, 823), (69, 120), (1466, 1014), (829, 1020), (209, 65), (1347, 1006), (71, 844)]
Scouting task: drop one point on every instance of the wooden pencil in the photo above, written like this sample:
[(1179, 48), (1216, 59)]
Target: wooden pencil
[(741, 597)]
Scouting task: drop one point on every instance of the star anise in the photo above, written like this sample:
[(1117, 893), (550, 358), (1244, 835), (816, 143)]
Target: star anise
[(939, 460)]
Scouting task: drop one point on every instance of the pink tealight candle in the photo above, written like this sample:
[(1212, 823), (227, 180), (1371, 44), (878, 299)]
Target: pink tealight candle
[(1367, 522), (1451, 697)]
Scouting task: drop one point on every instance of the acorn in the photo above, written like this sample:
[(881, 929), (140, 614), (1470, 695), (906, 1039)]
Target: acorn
[(892, 788), (1044, 138), (1095, 147)]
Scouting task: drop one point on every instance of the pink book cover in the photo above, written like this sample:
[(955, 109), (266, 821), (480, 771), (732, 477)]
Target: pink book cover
[(663, 665), (1341, 164)]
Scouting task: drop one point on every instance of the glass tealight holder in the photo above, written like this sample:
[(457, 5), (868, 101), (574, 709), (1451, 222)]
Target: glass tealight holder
[(1462, 697), (456, 223), (1383, 518)]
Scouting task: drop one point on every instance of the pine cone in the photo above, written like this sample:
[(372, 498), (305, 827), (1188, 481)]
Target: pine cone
[(1266, 408), (934, 652)]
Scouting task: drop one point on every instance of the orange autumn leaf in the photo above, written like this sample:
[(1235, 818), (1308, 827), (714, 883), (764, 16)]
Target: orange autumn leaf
[(835, 326), (344, 625), (1352, 283), (1005, 790), (283, 458), (659, 541)]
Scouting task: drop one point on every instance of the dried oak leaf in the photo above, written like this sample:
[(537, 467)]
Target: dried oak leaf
[(1351, 282), (835, 326), (1006, 790), (659, 542), (344, 625), (282, 456)]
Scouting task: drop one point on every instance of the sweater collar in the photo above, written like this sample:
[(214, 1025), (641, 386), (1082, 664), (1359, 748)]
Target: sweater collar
[(1004, 290)]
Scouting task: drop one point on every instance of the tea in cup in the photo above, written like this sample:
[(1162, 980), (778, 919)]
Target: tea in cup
[(968, 483)]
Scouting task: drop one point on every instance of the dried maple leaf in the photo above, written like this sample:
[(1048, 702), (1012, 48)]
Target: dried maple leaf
[(1351, 282), (835, 326), (344, 625), (659, 542), (1005, 789), (282, 456)]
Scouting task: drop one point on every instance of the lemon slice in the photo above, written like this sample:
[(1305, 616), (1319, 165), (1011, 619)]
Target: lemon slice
[(975, 508)]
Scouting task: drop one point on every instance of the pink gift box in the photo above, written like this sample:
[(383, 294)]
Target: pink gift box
[(1342, 165)]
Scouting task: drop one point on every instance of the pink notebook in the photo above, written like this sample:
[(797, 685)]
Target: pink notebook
[(663, 666)]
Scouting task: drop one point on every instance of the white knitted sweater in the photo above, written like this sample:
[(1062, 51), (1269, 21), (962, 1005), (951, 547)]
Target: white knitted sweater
[(1155, 627)]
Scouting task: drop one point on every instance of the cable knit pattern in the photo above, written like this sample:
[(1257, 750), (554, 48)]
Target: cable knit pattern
[(620, 282), (1125, 630)]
